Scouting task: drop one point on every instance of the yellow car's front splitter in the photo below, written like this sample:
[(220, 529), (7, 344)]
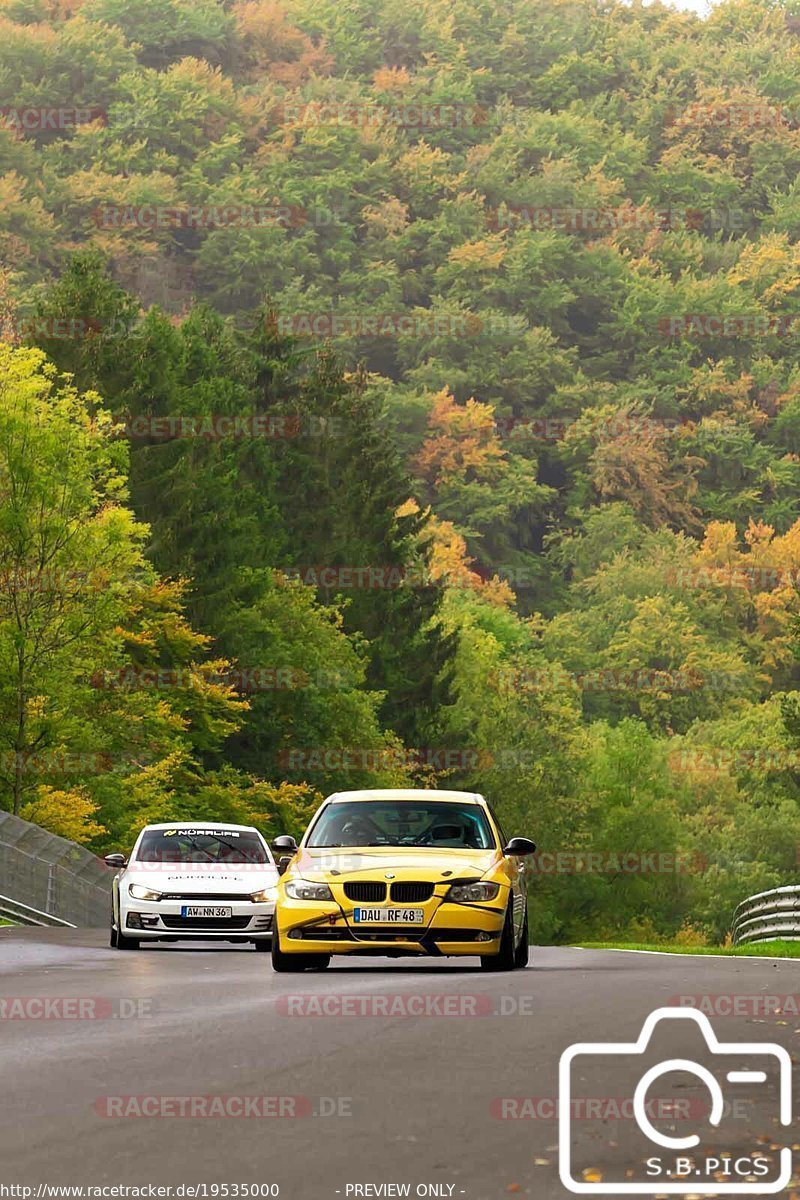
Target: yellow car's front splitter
[(450, 929)]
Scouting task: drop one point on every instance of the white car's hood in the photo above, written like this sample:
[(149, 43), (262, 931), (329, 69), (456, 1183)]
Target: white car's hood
[(195, 878)]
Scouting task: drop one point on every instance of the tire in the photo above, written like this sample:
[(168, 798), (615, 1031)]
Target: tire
[(523, 951), (292, 963), (112, 938), (505, 960), (263, 944), (126, 943)]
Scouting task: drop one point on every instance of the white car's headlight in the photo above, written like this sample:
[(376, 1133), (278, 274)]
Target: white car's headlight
[(143, 893), (267, 893), (303, 889), (472, 893)]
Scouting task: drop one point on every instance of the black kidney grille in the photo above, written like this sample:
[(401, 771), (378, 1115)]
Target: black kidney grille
[(411, 893), (366, 891)]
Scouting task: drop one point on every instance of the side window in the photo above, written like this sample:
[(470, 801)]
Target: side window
[(500, 830)]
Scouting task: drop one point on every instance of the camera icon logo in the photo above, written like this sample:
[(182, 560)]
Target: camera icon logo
[(756, 1069)]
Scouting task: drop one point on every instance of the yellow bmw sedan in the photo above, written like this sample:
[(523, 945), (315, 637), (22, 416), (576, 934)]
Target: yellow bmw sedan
[(402, 872)]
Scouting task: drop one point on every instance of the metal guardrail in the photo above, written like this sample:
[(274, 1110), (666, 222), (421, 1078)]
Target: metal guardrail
[(55, 880), (767, 916), (23, 914)]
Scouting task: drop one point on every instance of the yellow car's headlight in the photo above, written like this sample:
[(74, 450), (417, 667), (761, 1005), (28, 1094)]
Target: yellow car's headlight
[(143, 893), (304, 889), (472, 893)]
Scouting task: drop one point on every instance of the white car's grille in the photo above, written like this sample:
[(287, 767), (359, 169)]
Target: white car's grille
[(174, 922)]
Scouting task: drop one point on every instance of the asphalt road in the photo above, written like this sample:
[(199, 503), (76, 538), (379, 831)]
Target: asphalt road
[(379, 1095)]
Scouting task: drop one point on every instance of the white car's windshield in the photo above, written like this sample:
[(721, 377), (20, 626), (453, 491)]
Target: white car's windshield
[(394, 823), (196, 844)]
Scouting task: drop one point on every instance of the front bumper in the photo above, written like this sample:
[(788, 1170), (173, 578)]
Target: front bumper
[(310, 927), (160, 919)]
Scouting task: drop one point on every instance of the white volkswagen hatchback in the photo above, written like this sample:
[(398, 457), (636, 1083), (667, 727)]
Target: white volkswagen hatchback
[(194, 881)]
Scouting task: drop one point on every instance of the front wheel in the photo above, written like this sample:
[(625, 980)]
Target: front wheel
[(292, 963), (505, 959), (263, 944), (113, 936), (126, 943)]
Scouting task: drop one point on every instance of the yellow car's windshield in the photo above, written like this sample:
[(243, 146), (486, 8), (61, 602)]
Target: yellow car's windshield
[(439, 825)]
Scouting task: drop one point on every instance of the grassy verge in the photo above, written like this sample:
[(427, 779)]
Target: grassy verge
[(758, 950)]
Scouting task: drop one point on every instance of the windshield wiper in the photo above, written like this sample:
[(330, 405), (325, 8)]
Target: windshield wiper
[(242, 854), (202, 850), (222, 842)]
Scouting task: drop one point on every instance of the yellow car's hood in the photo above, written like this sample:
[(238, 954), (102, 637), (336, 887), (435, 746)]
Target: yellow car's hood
[(402, 862)]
